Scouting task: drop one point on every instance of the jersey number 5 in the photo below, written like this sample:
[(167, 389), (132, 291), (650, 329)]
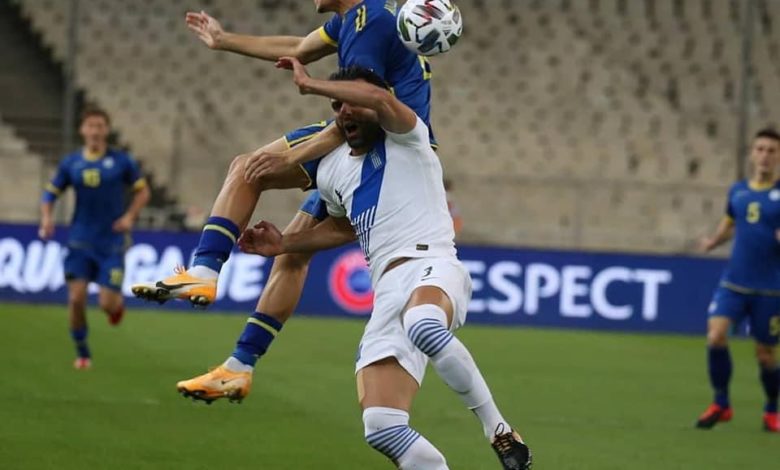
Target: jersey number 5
[(753, 212), (91, 178)]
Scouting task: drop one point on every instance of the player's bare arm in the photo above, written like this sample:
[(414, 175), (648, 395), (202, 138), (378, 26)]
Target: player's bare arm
[(265, 239), (46, 228), (394, 116), (140, 199), (264, 163), (307, 49), (723, 233)]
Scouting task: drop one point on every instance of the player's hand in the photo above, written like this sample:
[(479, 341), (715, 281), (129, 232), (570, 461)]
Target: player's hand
[(777, 235), (262, 239), (123, 224), (263, 163), (46, 229), (206, 27), (706, 244), (300, 75)]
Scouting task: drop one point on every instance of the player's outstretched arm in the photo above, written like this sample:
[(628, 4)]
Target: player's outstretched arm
[(141, 198), (263, 163), (306, 49), (723, 233), (265, 239), (394, 115)]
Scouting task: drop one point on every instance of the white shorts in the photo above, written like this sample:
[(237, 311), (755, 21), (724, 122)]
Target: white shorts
[(384, 335)]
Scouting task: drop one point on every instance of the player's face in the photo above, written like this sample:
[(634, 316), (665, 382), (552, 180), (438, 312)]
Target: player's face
[(326, 5), (765, 155), (94, 130), (359, 125)]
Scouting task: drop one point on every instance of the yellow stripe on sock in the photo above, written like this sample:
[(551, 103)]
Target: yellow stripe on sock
[(264, 326), (221, 230)]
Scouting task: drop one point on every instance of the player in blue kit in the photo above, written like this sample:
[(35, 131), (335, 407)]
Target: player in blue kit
[(362, 33), (750, 285), (99, 231)]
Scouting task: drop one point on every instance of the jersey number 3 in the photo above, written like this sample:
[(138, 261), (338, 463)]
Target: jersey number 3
[(91, 178), (753, 212)]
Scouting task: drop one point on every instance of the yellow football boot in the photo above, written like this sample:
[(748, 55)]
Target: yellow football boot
[(219, 382), (201, 292)]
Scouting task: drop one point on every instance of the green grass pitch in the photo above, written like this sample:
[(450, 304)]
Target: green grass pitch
[(582, 400)]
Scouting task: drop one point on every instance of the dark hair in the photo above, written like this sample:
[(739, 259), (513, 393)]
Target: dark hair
[(768, 133), (356, 72), (94, 111)]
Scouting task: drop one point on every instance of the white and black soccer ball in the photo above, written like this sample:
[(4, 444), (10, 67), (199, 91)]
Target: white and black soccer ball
[(429, 27)]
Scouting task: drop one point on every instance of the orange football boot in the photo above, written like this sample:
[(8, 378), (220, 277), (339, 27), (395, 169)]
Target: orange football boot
[(219, 382), (201, 292)]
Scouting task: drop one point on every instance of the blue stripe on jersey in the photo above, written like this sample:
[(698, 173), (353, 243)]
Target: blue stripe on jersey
[(366, 195)]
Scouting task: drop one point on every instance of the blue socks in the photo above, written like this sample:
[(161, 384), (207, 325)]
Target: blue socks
[(719, 360), (80, 338), (216, 242), (259, 332), (770, 379)]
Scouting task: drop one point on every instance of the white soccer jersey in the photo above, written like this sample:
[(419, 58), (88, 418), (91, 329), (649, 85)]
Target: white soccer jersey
[(394, 197)]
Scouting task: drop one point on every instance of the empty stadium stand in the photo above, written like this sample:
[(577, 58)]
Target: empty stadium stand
[(598, 124)]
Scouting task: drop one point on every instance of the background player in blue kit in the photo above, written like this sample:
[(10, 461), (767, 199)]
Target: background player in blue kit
[(100, 229), (750, 286), (363, 33)]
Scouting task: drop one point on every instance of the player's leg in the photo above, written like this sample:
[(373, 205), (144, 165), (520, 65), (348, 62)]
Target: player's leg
[(386, 392), (726, 309), (230, 214), (79, 268), (765, 328), (437, 306), (110, 277), (77, 319), (233, 379)]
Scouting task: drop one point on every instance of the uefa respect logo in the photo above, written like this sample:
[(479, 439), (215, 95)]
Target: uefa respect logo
[(349, 283)]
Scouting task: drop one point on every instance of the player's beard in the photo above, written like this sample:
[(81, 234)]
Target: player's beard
[(365, 136)]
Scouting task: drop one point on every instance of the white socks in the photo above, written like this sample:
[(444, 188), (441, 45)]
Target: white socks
[(235, 365), (426, 327), (203, 272), (387, 430)]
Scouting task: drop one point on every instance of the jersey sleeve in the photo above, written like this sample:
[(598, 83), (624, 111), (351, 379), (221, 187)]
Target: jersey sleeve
[(417, 137), (59, 183), (371, 42), (334, 209), (132, 175), (329, 32)]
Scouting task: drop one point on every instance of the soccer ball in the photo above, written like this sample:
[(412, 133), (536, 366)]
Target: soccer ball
[(429, 27)]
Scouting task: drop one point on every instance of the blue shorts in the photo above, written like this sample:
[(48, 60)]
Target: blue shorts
[(762, 311), (108, 270)]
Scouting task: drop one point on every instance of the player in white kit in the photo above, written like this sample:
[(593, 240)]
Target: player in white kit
[(385, 183)]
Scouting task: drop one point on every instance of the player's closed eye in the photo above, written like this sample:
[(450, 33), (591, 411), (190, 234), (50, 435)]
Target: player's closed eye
[(335, 105)]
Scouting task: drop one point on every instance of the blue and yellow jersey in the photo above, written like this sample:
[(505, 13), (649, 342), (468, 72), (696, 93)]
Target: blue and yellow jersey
[(366, 36), (101, 184), (754, 266)]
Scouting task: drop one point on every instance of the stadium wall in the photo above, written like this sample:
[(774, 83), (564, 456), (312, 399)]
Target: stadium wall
[(568, 289)]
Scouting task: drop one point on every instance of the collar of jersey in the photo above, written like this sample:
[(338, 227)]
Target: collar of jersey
[(761, 186), (92, 157)]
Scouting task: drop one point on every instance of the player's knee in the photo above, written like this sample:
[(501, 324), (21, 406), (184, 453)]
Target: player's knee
[(425, 327), (717, 338), (766, 356), (77, 301), (238, 164), (387, 431)]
